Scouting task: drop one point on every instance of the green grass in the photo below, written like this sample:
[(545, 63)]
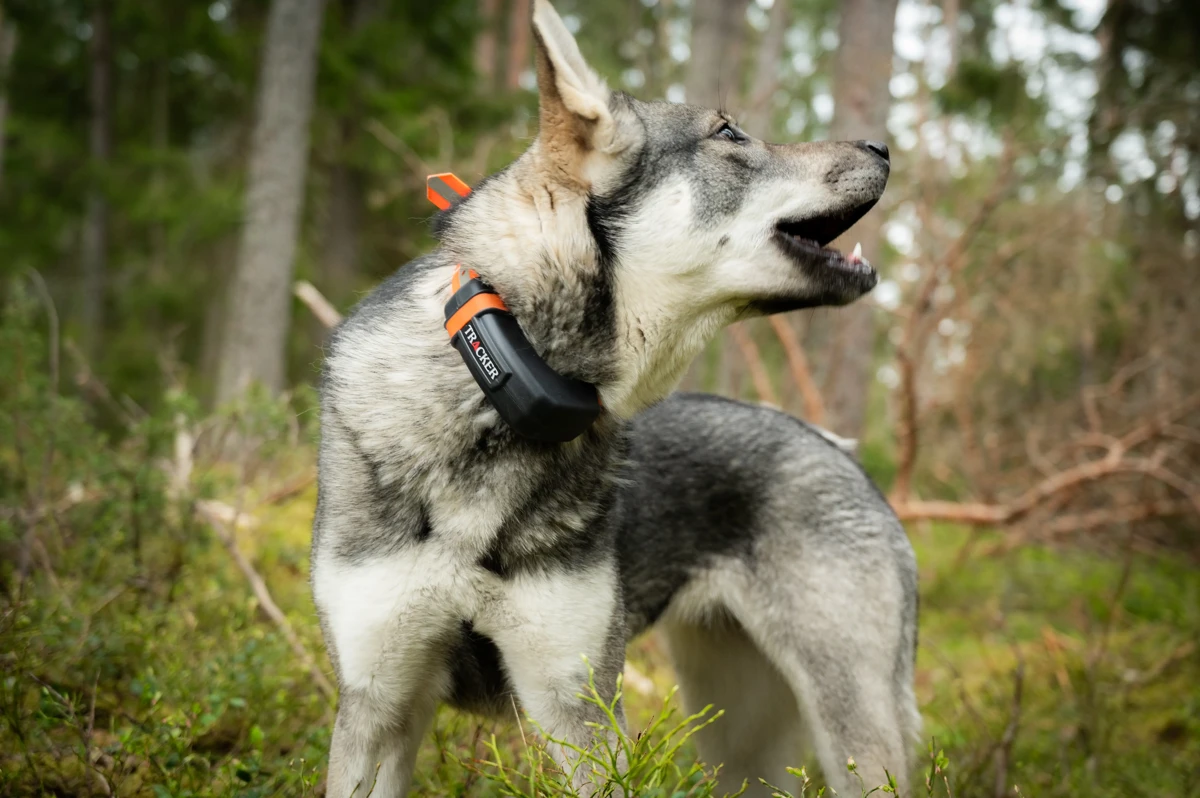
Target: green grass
[(1111, 668), (135, 661), (179, 687)]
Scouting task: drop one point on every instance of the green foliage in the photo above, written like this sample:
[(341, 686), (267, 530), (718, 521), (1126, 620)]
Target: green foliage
[(995, 92), (650, 767)]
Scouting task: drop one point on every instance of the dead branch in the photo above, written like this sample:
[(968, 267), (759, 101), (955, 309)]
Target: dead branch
[(1003, 514), (1055, 486), (907, 431), (1109, 516), (290, 488), (315, 301), (814, 405), (758, 371), (128, 411), (387, 138), (263, 595)]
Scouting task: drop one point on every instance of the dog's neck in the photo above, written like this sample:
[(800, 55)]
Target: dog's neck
[(529, 237)]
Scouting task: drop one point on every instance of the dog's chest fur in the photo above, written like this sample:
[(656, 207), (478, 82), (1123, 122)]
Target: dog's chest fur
[(412, 452)]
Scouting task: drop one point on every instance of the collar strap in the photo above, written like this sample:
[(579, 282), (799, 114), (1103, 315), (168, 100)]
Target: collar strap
[(532, 398), (473, 302)]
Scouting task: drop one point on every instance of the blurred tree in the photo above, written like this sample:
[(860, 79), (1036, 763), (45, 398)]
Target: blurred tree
[(485, 43), (1148, 73), (714, 69), (861, 75), (519, 14), (768, 66), (256, 327)]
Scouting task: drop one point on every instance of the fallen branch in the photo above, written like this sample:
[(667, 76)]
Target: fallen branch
[(263, 595), (1115, 462)]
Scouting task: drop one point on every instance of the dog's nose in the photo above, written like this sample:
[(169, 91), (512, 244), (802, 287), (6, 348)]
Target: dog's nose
[(877, 147)]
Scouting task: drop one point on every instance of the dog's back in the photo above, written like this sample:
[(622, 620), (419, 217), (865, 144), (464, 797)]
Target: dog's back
[(713, 479)]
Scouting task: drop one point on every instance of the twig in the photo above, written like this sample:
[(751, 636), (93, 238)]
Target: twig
[(1004, 749), (758, 372), (397, 145), (30, 539), (814, 405), (321, 307), (290, 488), (1109, 516), (129, 412), (43, 293), (914, 338), (266, 601)]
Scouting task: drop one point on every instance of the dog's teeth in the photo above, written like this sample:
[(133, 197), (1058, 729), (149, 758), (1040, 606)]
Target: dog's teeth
[(857, 253)]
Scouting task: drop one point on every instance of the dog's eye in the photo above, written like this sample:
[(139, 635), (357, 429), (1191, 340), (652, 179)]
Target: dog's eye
[(727, 132)]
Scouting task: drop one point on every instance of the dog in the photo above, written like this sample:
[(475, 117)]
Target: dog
[(455, 560)]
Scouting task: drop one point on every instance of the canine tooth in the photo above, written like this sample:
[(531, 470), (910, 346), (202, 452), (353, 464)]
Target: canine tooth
[(857, 253)]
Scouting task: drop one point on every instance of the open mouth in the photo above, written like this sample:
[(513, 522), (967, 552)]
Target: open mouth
[(808, 239)]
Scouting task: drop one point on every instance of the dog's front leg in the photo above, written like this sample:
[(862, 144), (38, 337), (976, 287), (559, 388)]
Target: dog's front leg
[(545, 625), (388, 624)]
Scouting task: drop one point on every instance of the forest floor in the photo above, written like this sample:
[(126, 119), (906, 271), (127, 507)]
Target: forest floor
[(138, 662)]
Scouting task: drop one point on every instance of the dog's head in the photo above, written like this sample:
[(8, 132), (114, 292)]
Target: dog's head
[(666, 222)]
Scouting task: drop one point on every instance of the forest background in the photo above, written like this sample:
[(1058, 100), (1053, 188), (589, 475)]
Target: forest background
[(191, 193)]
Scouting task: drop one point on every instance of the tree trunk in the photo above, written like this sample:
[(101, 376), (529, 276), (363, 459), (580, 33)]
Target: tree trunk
[(950, 14), (861, 74), (485, 43), (254, 340), (8, 46), (718, 28), (94, 255), (520, 18)]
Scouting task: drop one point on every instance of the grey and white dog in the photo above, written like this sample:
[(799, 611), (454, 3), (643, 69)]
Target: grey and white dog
[(454, 561)]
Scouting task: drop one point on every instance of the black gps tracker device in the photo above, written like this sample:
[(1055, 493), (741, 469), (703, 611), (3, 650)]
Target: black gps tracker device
[(532, 398)]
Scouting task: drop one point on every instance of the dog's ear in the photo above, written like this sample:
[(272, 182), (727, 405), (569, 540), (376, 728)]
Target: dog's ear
[(575, 113)]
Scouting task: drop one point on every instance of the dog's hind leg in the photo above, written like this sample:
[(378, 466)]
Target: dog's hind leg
[(760, 733), (545, 623), (845, 653)]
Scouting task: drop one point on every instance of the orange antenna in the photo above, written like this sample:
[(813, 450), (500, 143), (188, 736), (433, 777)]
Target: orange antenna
[(445, 189)]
